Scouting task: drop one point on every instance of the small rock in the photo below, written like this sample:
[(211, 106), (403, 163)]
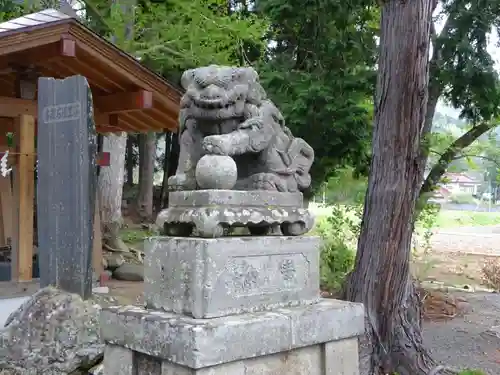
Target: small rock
[(114, 260), (101, 290), (494, 331), (129, 272)]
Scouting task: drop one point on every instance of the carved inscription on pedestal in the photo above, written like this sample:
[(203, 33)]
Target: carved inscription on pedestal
[(265, 274)]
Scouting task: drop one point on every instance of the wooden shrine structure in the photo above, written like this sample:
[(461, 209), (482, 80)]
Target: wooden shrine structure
[(127, 97)]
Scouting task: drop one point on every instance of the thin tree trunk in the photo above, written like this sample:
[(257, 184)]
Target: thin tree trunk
[(381, 278), (439, 169), (110, 191), (147, 151), (129, 161)]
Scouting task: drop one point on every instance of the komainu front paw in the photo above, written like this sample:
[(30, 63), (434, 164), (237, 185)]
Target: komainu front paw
[(217, 145), (182, 182)]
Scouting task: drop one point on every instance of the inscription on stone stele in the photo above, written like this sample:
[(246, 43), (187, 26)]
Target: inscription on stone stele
[(249, 275)]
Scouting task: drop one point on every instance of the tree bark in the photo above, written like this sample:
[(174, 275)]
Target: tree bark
[(129, 161), (110, 191), (147, 151), (381, 278)]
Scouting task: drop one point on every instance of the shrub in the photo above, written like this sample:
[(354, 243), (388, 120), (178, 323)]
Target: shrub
[(462, 198), (339, 233), (336, 261)]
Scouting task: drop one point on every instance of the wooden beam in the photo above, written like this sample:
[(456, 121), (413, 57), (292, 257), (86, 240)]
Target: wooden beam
[(125, 102), (15, 107), (25, 193), (129, 101), (64, 47)]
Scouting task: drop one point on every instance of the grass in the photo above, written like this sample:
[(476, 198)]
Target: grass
[(132, 236), (449, 218), (445, 219)]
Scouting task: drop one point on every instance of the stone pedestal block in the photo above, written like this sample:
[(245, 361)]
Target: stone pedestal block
[(207, 278), (320, 339)]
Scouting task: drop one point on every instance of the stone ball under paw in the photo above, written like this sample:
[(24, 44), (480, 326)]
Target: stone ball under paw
[(216, 172)]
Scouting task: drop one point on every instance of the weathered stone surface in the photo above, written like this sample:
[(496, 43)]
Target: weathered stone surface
[(234, 198), (54, 332), (303, 361), (215, 277), (341, 357), (225, 111), (216, 172), (118, 361), (198, 343), (129, 272), (67, 183)]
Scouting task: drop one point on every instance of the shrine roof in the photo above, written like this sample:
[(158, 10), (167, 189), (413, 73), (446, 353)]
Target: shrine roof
[(127, 95)]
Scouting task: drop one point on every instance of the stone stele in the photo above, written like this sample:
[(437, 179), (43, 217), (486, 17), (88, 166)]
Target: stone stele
[(219, 302)]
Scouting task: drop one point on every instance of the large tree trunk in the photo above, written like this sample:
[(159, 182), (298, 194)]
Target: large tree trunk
[(147, 153), (381, 278), (110, 190)]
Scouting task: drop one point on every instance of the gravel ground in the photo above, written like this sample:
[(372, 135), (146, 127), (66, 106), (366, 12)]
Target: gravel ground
[(463, 342)]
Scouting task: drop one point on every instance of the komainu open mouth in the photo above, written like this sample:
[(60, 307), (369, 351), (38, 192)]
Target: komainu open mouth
[(212, 103)]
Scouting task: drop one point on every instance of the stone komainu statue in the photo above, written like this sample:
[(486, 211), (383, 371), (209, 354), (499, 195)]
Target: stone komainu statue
[(225, 112)]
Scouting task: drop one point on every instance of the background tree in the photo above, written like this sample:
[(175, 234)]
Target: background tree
[(381, 278), (319, 69), (462, 73)]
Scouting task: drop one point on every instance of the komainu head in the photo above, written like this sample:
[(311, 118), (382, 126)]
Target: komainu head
[(220, 92)]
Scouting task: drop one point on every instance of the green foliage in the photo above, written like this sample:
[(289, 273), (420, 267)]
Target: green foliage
[(339, 233), (465, 68), (176, 35), (344, 187), (421, 249), (320, 71), (135, 236)]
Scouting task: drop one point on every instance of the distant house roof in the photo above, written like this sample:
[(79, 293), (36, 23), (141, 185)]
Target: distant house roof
[(460, 178)]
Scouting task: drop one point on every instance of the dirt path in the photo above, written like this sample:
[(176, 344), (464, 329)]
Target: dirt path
[(462, 342)]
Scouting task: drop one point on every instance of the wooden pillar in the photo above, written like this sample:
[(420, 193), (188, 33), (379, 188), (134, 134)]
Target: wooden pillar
[(24, 193), (24, 182)]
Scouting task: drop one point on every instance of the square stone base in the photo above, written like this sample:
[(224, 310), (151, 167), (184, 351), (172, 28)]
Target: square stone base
[(320, 339), (333, 358), (208, 278)]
